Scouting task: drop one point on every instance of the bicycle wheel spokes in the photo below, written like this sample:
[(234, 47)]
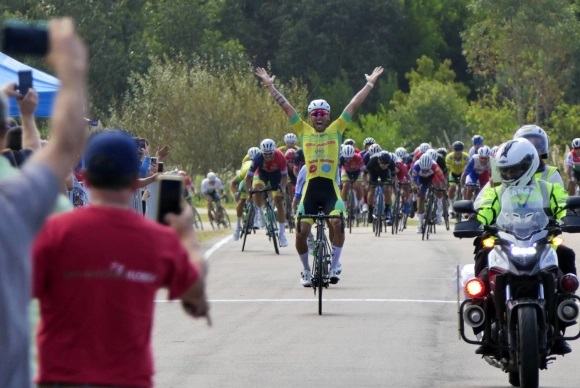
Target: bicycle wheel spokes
[(271, 226)]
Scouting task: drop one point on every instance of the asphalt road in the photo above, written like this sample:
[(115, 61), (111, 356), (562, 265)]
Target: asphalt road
[(390, 322)]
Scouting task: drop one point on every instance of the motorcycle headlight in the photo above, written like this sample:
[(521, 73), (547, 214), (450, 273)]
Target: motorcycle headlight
[(520, 252)]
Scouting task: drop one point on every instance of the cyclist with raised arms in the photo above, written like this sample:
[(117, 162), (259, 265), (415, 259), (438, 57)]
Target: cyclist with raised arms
[(272, 172), (321, 141), (573, 166)]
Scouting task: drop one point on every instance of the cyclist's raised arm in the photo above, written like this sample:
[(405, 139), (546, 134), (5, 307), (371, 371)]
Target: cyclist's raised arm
[(364, 92), (276, 95)]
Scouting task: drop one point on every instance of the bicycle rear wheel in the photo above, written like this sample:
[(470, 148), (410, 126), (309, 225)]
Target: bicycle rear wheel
[(271, 226)]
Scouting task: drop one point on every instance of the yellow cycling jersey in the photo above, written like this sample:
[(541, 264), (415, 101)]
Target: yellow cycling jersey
[(456, 167), (321, 149), (284, 148), (241, 175)]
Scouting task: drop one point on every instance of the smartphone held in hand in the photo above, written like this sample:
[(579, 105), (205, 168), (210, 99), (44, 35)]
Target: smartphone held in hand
[(24, 82), (169, 196), (160, 167)]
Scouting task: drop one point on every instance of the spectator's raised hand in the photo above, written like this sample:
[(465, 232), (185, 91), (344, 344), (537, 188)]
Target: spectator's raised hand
[(28, 103), (68, 55), (263, 74), (10, 89), (163, 153)]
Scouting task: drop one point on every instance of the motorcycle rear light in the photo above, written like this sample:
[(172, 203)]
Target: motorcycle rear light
[(569, 283), (475, 288)]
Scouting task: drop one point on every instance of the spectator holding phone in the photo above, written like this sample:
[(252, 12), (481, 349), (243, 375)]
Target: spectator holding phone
[(27, 198), (108, 297)]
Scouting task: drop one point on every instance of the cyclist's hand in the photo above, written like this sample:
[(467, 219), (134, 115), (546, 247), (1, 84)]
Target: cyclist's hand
[(237, 195), (263, 74)]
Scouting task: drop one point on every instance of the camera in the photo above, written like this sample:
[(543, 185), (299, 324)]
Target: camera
[(23, 37)]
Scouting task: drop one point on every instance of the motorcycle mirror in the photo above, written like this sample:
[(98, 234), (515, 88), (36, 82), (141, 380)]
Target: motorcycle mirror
[(573, 202), (464, 206)]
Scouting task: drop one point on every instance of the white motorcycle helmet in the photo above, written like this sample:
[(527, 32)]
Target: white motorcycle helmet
[(517, 161), (537, 136), (318, 104)]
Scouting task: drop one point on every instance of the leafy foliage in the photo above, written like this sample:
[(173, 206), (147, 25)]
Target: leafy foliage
[(210, 114)]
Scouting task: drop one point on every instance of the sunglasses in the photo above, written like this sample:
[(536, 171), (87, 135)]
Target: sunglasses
[(267, 154), (576, 148), (318, 113)]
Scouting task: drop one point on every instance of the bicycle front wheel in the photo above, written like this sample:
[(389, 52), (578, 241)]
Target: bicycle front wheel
[(396, 216), (197, 219), (350, 205), (427, 217), (248, 224), (224, 217), (271, 227)]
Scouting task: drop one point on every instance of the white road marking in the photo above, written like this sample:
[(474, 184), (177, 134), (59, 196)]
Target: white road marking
[(216, 246), (327, 300)]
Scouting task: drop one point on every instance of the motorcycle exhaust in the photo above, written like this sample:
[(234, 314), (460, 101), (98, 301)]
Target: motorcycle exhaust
[(568, 311), (473, 315)]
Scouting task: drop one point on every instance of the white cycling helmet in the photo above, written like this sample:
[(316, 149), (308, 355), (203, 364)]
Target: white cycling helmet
[(517, 161), (267, 146), (318, 104), (368, 141), (484, 152), (374, 148), (433, 154), (424, 147), (576, 143), (253, 151), (290, 138), (401, 152), (537, 136), (425, 162), (347, 151), (349, 142), (211, 176)]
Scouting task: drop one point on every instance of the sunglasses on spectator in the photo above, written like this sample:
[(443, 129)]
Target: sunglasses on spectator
[(318, 113)]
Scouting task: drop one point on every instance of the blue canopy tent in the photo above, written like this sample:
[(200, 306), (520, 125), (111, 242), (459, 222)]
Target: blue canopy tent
[(45, 85)]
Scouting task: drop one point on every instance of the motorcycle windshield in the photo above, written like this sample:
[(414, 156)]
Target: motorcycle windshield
[(522, 211)]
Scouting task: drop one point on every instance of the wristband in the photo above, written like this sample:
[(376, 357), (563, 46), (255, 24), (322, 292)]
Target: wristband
[(369, 83)]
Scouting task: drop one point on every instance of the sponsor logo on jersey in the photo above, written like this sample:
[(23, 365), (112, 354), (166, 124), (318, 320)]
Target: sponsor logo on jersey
[(312, 169), (326, 167)]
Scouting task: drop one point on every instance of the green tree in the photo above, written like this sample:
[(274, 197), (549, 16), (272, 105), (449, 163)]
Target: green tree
[(209, 114), (524, 49), (434, 108)]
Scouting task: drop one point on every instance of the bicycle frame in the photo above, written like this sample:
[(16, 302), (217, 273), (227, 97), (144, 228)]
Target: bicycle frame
[(322, 252)]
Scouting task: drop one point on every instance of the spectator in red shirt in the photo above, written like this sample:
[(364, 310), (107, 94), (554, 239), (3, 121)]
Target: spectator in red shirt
[(96, 272)]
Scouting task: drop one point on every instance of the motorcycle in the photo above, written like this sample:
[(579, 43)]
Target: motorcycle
[(521, 303)]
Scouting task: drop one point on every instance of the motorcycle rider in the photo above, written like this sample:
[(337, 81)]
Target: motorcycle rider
[(517, 162)]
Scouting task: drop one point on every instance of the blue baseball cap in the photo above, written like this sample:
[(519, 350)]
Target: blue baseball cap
[(112, 154)]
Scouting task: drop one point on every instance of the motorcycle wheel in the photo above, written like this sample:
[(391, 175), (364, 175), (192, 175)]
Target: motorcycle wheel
[(528, 348)]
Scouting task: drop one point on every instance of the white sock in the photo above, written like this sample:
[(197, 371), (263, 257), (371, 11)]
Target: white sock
[(282, 227), (304, 260), (420, 219), (239, 222), (261, 212), (439, 202), (336, 251)]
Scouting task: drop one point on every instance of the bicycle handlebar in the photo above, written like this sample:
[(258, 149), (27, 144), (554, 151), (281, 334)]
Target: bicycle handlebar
[(320, 216)]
